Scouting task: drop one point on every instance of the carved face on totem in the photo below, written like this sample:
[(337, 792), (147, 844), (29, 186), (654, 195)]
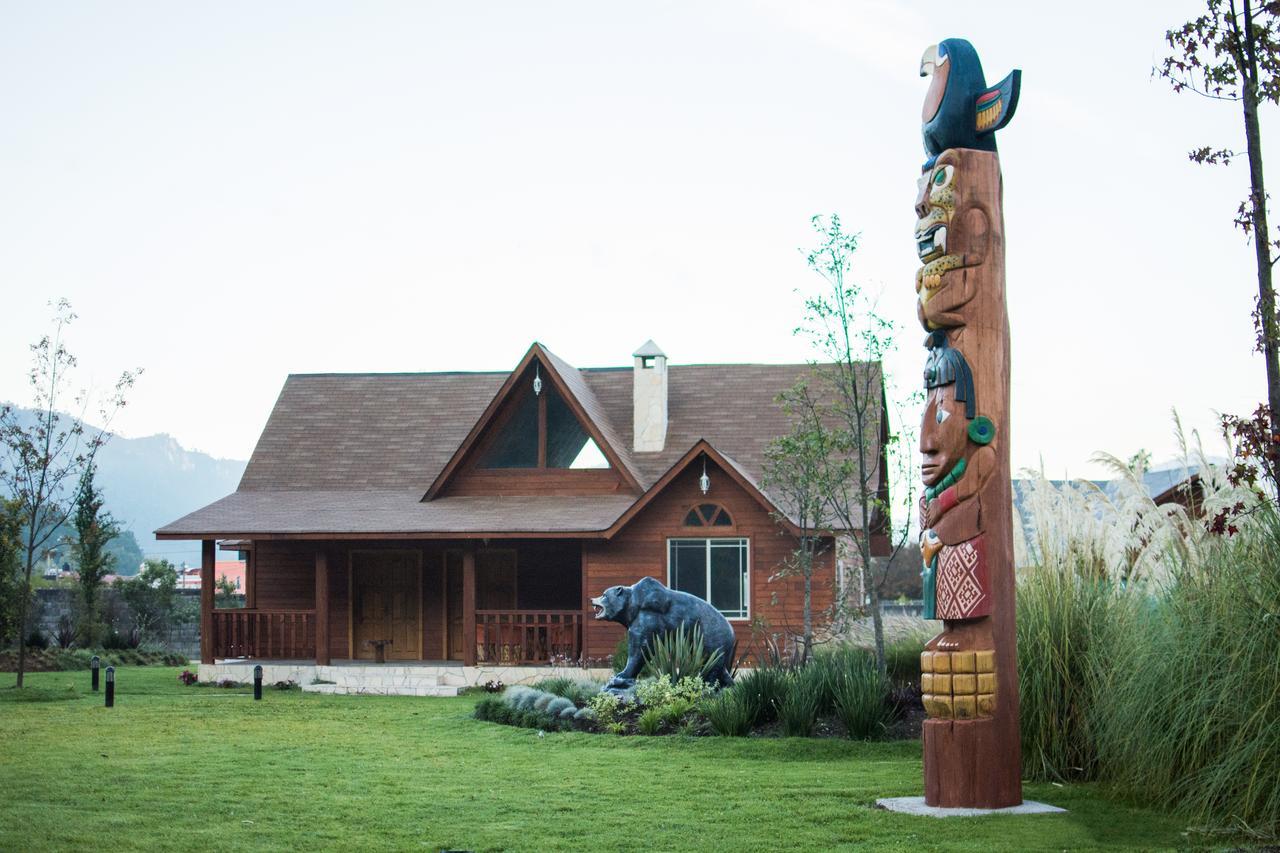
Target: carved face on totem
[(944, 438), (936, 208)]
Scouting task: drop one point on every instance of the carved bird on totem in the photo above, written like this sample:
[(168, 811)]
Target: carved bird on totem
[(960, 111)]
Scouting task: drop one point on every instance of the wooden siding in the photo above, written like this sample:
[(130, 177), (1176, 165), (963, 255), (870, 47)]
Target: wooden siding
[(536, 481), (640, 550), (564, 574)]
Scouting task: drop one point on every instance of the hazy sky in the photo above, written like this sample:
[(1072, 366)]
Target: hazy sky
[(232, 192)]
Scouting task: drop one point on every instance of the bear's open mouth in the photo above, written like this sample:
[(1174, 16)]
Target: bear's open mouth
[(598, 608)]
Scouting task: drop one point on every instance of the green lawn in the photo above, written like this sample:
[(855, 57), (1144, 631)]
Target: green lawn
[(207, 768)]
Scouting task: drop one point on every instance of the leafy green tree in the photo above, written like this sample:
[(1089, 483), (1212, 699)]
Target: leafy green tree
[(226, 596), (1232, 53), (45, 456), (151, 597), (794, 471), (849, 399), (11, 525), (95, 529)]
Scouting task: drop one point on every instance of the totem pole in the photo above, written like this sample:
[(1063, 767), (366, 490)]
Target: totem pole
[(969, 672)]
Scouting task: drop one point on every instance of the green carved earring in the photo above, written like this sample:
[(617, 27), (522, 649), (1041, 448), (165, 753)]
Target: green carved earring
[(981, 430)]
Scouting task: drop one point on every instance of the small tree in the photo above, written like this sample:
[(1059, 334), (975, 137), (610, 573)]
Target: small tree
[(794, 474), (11, 525), (226, 593), (852, 339), (1232, 53), (95, 529), (47, 451), (151, 596)]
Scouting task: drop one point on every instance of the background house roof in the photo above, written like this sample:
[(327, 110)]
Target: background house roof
[(340, 452)]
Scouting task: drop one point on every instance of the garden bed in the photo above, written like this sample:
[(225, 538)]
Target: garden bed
[(71, 660), (837, 694)]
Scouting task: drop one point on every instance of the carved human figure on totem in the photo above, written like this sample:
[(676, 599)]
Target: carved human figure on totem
[(956, 465)]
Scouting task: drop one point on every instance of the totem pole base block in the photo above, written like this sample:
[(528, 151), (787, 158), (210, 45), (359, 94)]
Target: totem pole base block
[(916, 806)]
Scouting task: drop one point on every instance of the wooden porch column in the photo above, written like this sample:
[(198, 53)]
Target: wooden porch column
[(469, 606), (207, 560), (250, 580), (322, 608)]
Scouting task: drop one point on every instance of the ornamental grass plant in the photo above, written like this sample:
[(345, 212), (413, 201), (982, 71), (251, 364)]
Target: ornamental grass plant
[(1188, 711), (1149, 644)]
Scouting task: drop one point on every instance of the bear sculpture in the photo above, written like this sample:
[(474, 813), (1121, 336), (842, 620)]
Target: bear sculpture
[(648, 610)]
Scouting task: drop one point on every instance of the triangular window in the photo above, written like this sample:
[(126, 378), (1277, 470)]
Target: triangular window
[(539, 430)]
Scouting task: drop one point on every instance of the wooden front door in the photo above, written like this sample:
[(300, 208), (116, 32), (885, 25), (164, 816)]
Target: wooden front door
[(386, 604)]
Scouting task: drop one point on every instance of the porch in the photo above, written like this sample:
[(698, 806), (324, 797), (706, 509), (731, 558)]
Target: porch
[(518, 604)]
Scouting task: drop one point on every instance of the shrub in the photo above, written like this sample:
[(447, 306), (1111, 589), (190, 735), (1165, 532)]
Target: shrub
[(65, 636), (680, 653), (650, 721), (861, 694), (187, 678), (605, 708), (36, 640), (902, 658), (798, 710), (674, 711), (493, 686), (575, 690), (113, 640), (493, 710), (730, 713), (763, 689), (557, 705)]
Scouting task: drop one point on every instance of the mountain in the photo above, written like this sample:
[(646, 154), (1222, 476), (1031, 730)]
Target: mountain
[(149, 482)]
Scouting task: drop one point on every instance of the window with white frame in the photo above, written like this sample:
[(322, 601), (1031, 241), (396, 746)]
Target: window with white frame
[(715, 570)]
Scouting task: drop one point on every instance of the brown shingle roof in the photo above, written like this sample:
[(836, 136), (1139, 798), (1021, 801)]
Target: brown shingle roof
[(264, 512), (340, 452)]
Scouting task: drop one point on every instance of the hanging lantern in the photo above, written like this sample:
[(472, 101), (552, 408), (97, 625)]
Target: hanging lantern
[(704, 482), (537, 381)]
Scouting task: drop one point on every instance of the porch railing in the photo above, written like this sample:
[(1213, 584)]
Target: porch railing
[(264, 633), (528, 636)]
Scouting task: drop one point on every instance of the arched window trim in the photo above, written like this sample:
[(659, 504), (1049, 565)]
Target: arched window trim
[(707, 515)]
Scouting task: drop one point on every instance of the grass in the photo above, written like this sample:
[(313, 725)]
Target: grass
[(181, 768)]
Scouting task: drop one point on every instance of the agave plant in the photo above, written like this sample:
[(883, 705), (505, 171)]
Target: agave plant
[(678, 654)]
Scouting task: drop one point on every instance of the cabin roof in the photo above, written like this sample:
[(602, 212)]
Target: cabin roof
[(341, 451)]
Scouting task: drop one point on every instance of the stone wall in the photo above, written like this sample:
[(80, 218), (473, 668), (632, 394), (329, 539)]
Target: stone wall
[(52, 606)]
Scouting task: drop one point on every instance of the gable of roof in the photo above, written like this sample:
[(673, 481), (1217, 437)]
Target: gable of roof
[(568, 382), (704, 448)]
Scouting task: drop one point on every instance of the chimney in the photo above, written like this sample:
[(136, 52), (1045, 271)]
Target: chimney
[(649, 398)]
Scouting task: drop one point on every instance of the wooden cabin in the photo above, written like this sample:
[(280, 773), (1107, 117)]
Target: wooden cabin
[(469, 517)]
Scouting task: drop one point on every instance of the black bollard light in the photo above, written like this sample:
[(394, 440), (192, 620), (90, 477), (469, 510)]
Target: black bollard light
[(257, 682), (111, 687), (94, 663)]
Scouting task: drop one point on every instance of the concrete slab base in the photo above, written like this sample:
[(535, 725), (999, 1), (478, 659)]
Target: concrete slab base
[(916, 806)]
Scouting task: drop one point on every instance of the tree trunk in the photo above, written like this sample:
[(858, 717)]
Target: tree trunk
[(1262, 249), (877, 621), (24, 613), (808, 605)]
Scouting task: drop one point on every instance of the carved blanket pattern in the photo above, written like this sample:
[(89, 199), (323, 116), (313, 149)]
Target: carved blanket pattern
[(964, 590)]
